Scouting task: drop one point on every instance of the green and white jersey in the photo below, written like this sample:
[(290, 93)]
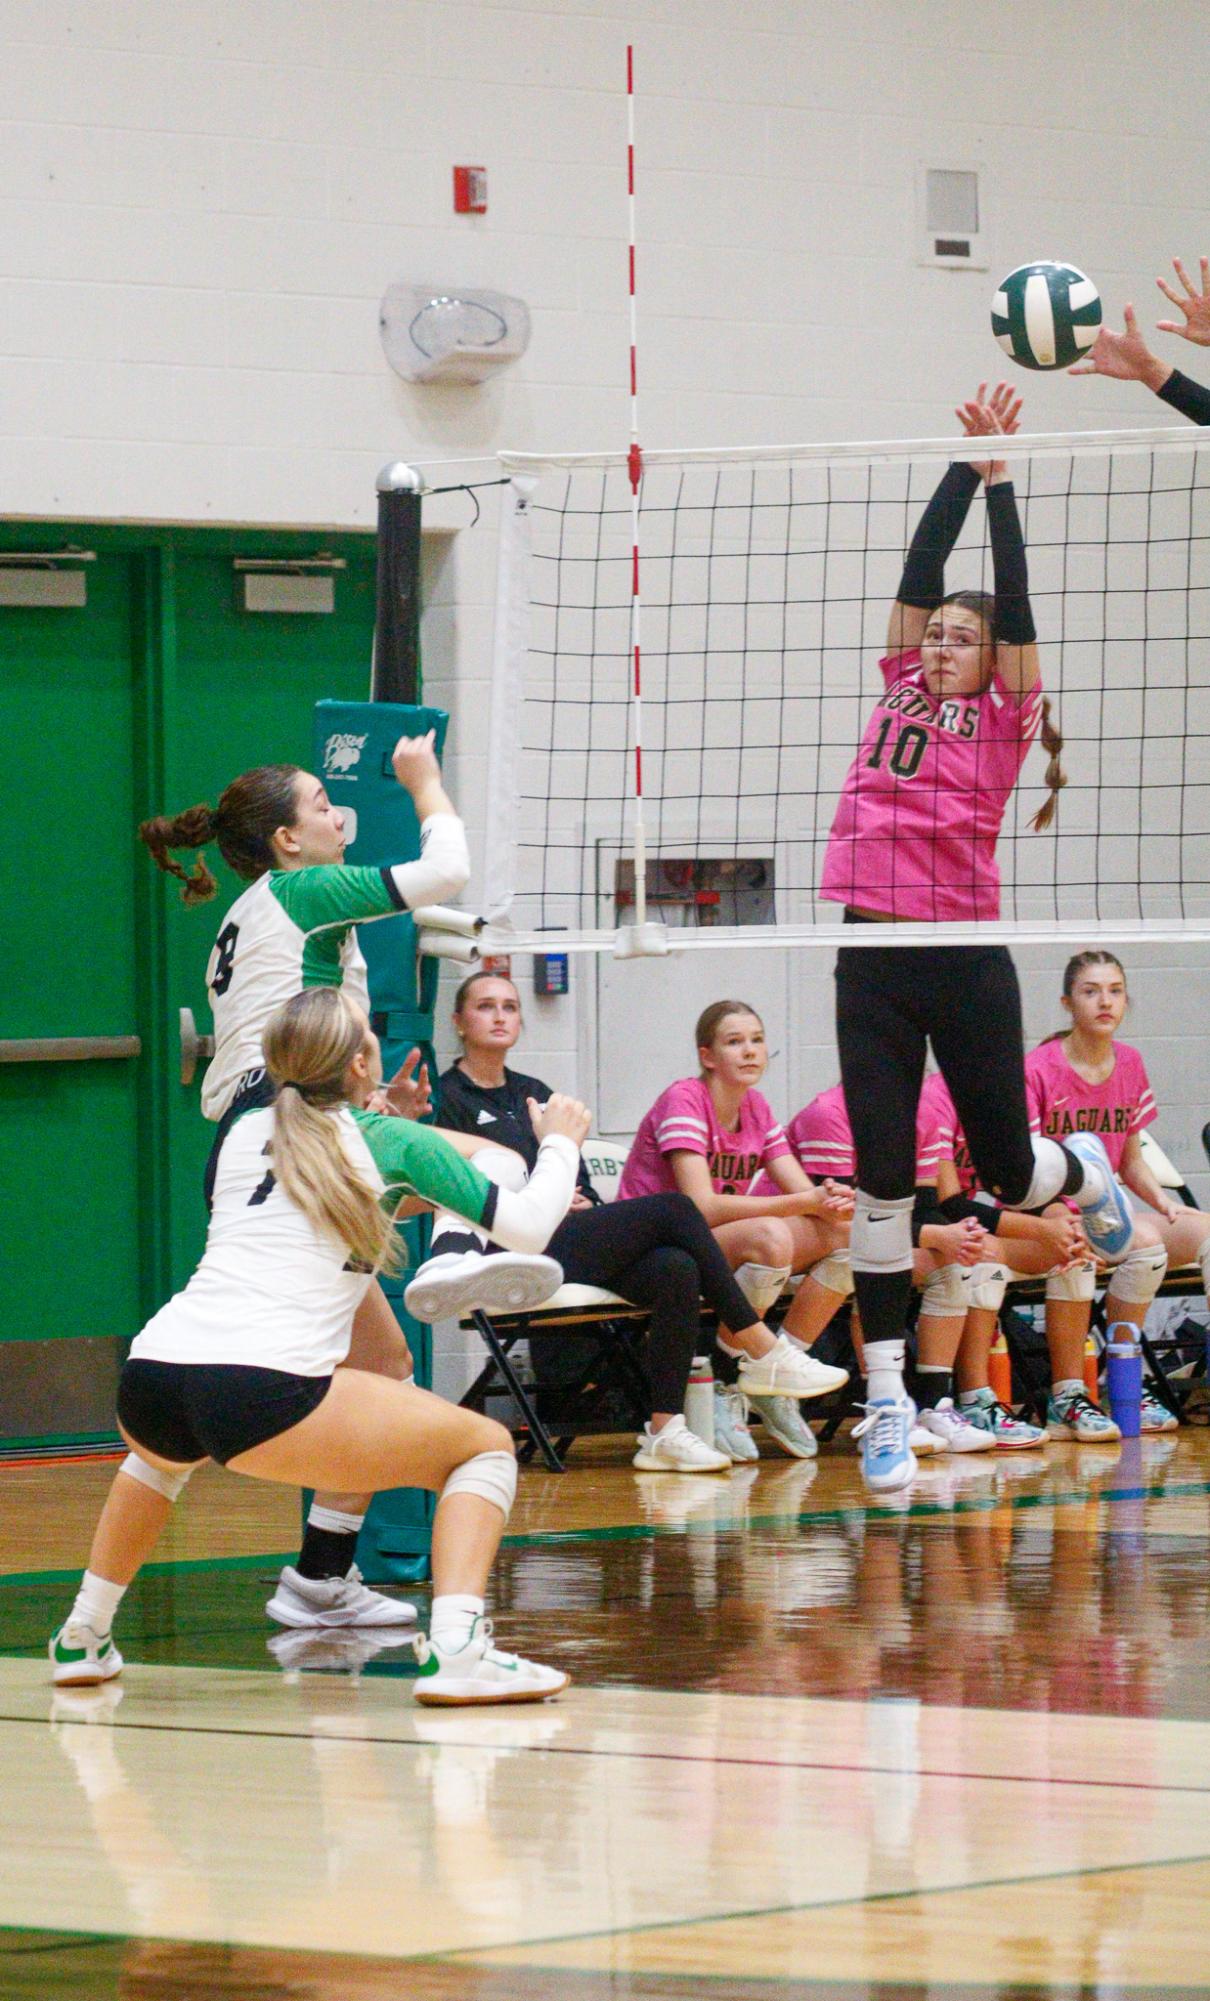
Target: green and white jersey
[(272, 1291), (293, 928)]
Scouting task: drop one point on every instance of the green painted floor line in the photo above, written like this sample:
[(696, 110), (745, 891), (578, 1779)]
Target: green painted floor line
[(277, 1556), (460, 1955)]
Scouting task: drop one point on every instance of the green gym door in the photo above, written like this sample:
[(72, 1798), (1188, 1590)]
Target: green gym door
[(146, 696)]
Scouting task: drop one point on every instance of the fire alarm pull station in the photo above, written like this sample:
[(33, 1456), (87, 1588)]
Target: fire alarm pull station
[(470, 190)]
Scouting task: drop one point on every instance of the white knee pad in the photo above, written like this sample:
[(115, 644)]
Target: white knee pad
[(491, 1475), (880, 1236), (1136, 1278), (985, 1286), (170, 1485), (943, 1294), (1079, 1284), (835, 1272), (761, 1285)]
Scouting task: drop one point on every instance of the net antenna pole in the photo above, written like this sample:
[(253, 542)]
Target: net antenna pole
[(640, 938), (396, 670)]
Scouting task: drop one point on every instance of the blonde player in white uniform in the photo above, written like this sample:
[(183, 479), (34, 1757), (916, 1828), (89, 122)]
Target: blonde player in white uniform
[(242, 1366), (291, 929)]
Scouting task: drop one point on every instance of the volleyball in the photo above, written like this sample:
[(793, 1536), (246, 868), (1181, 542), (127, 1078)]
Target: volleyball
[(1046, 315)]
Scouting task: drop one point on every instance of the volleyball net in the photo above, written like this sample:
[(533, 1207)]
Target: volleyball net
[(766, 582)]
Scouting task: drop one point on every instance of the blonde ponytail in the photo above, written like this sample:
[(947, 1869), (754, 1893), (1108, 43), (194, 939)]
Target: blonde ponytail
[(1056, 777), (309, 1044)]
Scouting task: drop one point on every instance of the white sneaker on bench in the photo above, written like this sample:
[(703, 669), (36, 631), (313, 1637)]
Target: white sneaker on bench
[(457, 1282)]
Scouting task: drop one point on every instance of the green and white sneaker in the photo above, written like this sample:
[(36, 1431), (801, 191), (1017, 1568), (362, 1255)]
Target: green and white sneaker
[(731, 1433), (1009, 1433), (1154, 1415), (80, 1658), (1076, 1416), (784, 1421), (478, 1672)]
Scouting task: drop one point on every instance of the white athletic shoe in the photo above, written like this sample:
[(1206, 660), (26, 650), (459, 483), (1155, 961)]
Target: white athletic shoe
[(953, 1430), (676, 1449), (80, 1658), (731, 1433), (784, 1421), (924, 1443), (887, 1459), (787, 1371), (334, 1601), (480, 1672), (457, 1282)]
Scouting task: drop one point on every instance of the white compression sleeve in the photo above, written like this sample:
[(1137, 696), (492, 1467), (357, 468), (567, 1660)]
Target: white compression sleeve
[(444, 866), (527, 1220)]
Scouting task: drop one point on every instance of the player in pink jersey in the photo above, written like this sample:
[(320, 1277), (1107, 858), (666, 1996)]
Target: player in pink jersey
[(712, 1136), (1085, 1081), (914, 837)]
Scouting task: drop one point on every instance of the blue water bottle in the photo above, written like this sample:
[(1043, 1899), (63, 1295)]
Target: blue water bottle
[(1124, 1378)]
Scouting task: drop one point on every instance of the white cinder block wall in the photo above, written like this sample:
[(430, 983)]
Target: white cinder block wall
[(204, 200)]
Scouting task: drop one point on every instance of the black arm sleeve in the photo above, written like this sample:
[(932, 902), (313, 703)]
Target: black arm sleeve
[(1190, 398), (923, 580), (1014, 616)]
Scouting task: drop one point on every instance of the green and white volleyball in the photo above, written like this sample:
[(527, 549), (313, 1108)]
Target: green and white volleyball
[(1046, 315)]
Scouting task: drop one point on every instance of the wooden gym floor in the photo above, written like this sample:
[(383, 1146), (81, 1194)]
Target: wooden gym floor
[(955, 1744)]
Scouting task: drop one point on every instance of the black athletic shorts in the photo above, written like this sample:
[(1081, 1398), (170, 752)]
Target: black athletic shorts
[(254, 1091), (185, 1411)]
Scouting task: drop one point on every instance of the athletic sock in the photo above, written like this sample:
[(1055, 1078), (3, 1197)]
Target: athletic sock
[(454, 1614), (884, 1371), (329, 1543), (96, 1604), (456, 1241), (933, 1385), (968, 1398), (1070, 1386)]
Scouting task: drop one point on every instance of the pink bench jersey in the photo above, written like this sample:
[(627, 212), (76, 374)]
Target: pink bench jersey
[(1061, 1103), (683, 1120)]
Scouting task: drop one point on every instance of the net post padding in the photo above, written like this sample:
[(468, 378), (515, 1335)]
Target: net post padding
[(768, 577)]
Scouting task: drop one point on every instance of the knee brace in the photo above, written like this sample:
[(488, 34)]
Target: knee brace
[(835, 1272), (761, 1285), (1136, 1278), (170, 1485), (986, 1285), (943, 1294), (1079, 1284), (880, 1237), (491, 1475)]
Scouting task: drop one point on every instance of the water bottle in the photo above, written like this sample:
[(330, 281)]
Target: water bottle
[(699, 1399), (1000, 1371), (1124, 1378)]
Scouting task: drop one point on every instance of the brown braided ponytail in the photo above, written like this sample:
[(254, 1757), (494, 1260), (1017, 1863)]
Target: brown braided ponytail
[(243, 823), (1056, 777)]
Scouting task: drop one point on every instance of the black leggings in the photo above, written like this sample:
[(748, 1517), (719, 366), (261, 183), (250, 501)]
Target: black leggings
[(659, 1251), (890, 1003)]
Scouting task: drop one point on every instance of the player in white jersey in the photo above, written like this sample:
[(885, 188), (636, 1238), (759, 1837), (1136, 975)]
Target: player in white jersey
[(243, 1365), (293, 928)]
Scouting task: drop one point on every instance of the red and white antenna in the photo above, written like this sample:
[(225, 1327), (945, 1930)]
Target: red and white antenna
[(634, 463)]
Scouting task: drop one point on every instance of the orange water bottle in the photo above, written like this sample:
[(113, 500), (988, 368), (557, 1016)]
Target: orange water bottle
[(1092, 1371), (1000, 1369)]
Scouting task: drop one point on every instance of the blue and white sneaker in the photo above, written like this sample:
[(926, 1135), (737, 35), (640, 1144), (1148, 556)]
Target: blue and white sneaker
[(1009, 1433), (784, 1421), (1108, 1223), (887, 1459), (1154, 1415), (1076, 1416), (731, 1433)]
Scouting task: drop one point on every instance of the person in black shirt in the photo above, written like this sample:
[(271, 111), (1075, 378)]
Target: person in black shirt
[(656, 1250), (1127, 358)]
